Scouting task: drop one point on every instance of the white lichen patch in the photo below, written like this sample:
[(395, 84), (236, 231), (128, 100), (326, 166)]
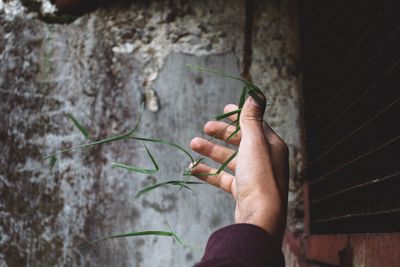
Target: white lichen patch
[(151, 100), (125, 48), (47, 7), (14, 8), (11, 9)]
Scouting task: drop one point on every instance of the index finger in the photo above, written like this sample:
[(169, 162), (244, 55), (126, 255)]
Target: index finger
[(229, 108)]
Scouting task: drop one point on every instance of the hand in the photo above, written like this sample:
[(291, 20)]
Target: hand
[(260, 183)]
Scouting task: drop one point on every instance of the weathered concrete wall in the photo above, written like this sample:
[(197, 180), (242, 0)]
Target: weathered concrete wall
[(275, 54), (100, 68)]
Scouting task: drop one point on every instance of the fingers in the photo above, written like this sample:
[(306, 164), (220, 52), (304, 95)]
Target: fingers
[(216, 152), (229, 108), (222, 180), (222, 131)]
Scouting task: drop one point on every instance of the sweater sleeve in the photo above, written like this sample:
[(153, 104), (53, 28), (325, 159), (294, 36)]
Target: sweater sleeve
[(241, 245)]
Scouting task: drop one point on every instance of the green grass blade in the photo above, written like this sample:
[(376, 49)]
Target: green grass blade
[(53, 161), (233, 134), (137, 169), (187, 187), (143, 233), (216, 72), (255, 89), (188, 173), (223, 166), (158, 233), (173, 182), (130, 234), (242, 97), (184, 244), (83, 130), (100, 142), (222, 74), (257, 98), (103, 141), (159, 141), (220, 131), (197, 162), (241, 103), (133, 168), (227, 114), (249, 88)]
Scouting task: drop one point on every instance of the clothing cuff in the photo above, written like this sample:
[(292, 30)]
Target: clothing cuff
[(247, 244)]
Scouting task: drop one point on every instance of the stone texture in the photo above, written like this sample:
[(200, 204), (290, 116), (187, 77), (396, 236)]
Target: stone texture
[(274, 69), (101, 67)]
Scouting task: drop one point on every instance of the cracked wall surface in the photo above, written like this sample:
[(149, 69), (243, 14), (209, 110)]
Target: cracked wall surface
[(100, 68)]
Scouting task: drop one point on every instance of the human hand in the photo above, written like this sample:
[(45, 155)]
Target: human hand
[(260, 183)]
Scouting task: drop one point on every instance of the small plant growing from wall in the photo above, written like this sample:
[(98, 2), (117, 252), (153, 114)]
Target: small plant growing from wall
[(249, 89)]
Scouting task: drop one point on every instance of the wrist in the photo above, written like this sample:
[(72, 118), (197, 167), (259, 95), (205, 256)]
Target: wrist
[(261, 212)]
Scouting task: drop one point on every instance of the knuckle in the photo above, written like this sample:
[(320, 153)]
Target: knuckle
[(251, 116)]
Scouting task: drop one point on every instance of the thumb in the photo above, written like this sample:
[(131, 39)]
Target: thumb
[(251, 116)]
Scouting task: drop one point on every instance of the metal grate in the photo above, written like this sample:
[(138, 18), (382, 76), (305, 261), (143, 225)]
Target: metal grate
[(351, 52)]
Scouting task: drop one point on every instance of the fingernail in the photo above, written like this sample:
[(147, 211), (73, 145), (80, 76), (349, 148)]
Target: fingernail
[(253, 102)]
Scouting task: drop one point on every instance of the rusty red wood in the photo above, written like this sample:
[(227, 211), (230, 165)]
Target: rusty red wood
[(362, 249), (373, 249)]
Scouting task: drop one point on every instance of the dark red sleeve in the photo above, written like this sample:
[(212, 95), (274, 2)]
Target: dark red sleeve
[(241, 245)]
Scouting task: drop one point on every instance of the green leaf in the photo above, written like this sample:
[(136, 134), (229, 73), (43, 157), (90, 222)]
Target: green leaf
[(223, 166), (103, 141), (137, 169), (227, 114), (83, 130), (159, 141), (174, 182)]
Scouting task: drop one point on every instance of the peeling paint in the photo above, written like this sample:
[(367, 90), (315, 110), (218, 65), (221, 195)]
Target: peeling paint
[(151, 100)]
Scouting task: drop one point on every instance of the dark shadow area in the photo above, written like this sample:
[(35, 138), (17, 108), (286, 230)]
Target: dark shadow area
[(352, 103)]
